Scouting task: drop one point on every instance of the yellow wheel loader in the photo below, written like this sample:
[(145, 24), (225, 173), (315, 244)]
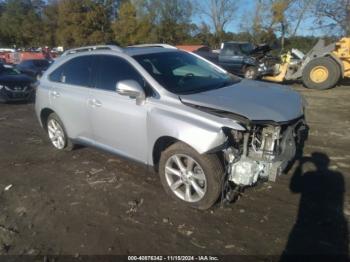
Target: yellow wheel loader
[(321, 68)]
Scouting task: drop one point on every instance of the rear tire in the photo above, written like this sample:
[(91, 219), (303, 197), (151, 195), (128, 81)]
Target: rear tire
[(202, 174), (57, 133), (321, 73)]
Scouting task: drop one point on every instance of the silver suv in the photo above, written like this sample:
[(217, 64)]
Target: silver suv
[(206, 132)]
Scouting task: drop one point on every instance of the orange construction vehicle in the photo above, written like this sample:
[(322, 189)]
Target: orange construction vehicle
[(321, 68)]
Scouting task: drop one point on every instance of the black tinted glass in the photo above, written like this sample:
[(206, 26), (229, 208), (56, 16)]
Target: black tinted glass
[(114, 69), (246, 48), (75, 72), (41, 63), (25, 63), (8, 71)]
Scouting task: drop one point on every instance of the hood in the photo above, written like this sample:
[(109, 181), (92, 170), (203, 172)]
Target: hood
[(20, 80), (256, 101)]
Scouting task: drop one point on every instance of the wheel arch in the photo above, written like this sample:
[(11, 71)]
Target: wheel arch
[(196, 129), (44, 115), (161, 144), (338, 62)]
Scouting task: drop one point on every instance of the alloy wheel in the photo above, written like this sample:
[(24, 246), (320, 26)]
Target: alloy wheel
[(56, 134), (186, 178)]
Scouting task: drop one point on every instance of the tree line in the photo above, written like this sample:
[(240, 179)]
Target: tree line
[(71, 23)]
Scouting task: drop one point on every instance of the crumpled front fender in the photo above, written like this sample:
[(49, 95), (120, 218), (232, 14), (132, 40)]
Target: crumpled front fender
[(201, 134)]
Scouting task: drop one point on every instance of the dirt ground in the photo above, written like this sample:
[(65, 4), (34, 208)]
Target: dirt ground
[(89, 202)]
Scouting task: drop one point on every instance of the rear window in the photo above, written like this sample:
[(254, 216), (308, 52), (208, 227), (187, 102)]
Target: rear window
[(8, 71)]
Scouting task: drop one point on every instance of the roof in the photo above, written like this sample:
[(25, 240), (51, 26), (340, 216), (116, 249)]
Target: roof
[(154, 45), (133, 51), (190, 48), (130, 50), (236, 42), (10, 50)]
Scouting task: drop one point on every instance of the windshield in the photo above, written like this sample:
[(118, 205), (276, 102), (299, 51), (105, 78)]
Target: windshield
[(8, 71), (41, 63), (183, 73), (246, 48)]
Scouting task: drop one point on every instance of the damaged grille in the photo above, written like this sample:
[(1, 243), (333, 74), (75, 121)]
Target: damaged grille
[(272, 142), (17, 88), (265, 142), (264, 151)]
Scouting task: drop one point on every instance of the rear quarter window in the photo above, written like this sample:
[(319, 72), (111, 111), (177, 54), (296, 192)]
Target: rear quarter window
[(76, 71)]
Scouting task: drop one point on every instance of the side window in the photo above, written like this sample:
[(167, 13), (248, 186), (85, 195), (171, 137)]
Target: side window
[(113, 69), (74, 72), (230, 50)]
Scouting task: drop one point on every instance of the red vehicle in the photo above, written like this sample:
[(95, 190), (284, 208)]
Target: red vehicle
[(8, 57), (29, 56)]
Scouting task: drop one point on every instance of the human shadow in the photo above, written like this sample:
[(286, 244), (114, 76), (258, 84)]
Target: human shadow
[(321, 228)]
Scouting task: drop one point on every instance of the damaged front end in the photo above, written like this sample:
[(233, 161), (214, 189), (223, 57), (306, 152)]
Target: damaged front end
[(263, 151)]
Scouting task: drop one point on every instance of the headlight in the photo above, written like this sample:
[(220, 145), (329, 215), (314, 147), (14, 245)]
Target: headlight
[(34, 85), (4, 87)]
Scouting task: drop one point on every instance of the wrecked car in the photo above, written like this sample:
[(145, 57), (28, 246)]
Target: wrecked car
[(15, 86), (246, 59), (33, 67), (205, 131), (241, 58)]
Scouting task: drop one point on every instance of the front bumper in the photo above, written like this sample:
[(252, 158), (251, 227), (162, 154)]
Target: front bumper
[(267, 152)]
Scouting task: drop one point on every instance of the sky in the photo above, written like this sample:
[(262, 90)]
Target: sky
[(306, 28), (234, 26)]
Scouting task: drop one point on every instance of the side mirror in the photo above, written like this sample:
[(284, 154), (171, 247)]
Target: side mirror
[(132, 89)]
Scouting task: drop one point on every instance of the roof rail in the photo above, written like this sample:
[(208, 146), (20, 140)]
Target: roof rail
[(155, 45), (92, 48)]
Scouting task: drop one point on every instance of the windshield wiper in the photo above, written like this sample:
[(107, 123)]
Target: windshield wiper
[(226, 83), (209, 88)]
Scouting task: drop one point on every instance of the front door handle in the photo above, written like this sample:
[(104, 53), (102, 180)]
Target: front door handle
[(95, 103), (56, 94)]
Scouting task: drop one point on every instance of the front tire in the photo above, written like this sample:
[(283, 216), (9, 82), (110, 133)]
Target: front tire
[(251, 72), (189, 177), (321, 73), (57, 133)]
